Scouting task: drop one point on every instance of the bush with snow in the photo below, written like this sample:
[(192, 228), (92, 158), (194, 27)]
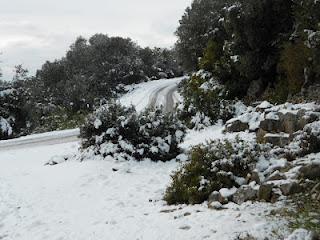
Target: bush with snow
[(124, 134), (204, 101), (217, 165), (5, 129)]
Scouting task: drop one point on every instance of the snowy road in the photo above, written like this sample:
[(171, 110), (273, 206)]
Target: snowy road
[(164, 97), (151, 94), (51, 138)]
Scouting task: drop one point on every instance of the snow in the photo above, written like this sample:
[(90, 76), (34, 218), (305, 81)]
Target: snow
[(141, 95), (226, 193), (294, 108), (273, 116), (99, 199), (264, 105), (97, 123), (6, 92), (277, 135), (111, 199), (196, 137)]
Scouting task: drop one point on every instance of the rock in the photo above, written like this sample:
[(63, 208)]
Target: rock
[(227, 192), (311, 171), (186, 214), (315, 192), (289, 122), (219, 197), (245, 193), (260, 135), (185, 227), (57, 160), (277, 175), (316, 188), (223, 200), (270, 125), (281, 139), (304, 119), (275, 195), (255, 177), (265, 192), (237, 126), (214, 197), (215, 205), (291, 188)]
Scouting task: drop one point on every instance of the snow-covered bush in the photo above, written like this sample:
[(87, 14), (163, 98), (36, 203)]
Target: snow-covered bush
[(219, 164), (5, 129), (204, 101), (12, 118), (124, 134)]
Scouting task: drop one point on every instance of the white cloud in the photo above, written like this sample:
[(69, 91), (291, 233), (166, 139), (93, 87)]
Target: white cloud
[(35, 30)]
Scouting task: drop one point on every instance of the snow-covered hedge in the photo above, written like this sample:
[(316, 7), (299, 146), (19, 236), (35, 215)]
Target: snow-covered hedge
[(124, 134), (219, 164)]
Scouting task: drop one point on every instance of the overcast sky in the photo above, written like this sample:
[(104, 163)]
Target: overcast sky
[(33, 31)]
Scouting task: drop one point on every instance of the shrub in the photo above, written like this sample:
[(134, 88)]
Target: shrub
[(58, 119), (211, 57), (219, 164), (5, 129), (292, 66), (204, 101), (122, 133)]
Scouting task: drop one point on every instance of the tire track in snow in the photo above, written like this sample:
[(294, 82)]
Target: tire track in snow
[(167, 93)]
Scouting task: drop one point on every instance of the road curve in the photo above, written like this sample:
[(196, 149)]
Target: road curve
[(162, 95)]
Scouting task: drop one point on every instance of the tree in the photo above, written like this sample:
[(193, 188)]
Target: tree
[(257, 29), (0, 69), (20, 73), (307, 30), (200, 23)]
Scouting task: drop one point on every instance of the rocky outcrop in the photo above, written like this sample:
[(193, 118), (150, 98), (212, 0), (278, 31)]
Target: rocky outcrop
[(291, 132)]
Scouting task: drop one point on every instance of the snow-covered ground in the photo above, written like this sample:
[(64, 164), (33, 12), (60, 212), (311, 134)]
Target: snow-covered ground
[(107, 200)]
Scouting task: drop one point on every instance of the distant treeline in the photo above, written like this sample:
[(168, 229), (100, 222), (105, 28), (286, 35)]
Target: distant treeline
[(92, 72)]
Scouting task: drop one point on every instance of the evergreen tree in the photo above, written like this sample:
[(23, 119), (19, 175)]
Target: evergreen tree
[(200, 23)]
